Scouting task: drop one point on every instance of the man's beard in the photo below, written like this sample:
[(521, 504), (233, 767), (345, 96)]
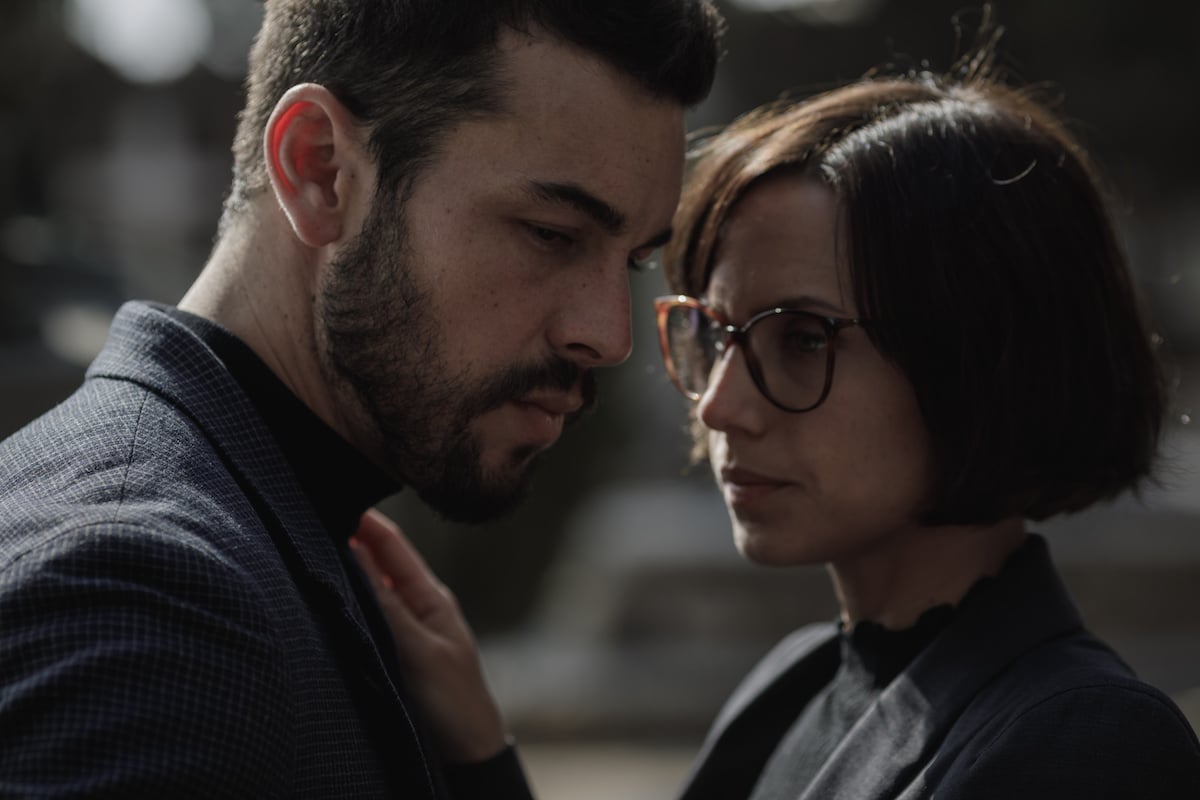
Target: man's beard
[(379, 339)]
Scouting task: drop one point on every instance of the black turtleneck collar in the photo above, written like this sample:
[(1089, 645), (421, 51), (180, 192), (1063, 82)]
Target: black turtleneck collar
[(338, 480), (872, 656), (876, 654)]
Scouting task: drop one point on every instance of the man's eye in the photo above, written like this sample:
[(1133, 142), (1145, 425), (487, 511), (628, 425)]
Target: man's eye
[(640, 263), (549, 236)]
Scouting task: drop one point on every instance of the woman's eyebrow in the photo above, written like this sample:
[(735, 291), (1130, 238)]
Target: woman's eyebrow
[(806, 302)]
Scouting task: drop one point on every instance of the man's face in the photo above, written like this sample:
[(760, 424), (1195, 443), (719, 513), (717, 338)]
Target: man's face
[(461, 327)]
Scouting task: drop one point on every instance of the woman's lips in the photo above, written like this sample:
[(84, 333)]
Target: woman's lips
[(744, 487)]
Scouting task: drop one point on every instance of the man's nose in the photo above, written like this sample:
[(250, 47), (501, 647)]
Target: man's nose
[(593, 329)]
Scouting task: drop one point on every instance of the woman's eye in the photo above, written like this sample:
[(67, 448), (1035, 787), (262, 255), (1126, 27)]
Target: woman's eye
[(801, 338), (806, 342)]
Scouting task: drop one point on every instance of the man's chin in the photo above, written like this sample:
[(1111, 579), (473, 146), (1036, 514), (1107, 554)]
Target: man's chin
[(471, 497)]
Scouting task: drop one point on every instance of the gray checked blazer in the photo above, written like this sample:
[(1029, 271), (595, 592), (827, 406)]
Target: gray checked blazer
[(174, 621), (1013, 701)]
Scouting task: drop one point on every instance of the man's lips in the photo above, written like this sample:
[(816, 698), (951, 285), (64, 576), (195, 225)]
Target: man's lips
[(556, 405), (540, 417)]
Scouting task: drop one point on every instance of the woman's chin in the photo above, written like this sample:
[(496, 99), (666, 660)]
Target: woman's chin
[(767, 548)]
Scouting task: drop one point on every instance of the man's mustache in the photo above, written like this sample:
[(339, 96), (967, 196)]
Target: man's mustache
[(557, 374)]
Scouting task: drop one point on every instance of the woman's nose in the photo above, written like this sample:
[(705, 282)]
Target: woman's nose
[(731, 399)]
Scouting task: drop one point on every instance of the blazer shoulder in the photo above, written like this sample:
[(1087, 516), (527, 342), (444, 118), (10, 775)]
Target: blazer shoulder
[(1092, 731), (113, 453), (142, 648)]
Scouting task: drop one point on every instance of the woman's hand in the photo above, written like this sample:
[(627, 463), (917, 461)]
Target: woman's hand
[(433, 642)]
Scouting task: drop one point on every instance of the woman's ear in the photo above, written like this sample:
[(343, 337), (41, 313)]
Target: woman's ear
[(315, 163)]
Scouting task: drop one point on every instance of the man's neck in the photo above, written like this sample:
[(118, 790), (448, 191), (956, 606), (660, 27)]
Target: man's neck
[(259, 284)]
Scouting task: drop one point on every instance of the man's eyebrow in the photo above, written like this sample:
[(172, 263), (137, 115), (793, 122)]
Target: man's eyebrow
[(569, 194)]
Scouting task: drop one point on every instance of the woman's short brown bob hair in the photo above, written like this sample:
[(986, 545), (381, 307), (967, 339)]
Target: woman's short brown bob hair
[(975, 232)]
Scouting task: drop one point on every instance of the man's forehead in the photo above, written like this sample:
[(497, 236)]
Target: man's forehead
[(538, 67)]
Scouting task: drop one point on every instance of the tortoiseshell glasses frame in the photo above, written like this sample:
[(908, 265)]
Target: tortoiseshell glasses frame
[(789, 351)]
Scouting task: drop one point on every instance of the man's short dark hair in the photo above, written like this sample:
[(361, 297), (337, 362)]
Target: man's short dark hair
[(412, 69), (977, 236)]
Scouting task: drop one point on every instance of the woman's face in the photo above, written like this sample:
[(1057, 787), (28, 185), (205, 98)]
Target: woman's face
[(847, 479)]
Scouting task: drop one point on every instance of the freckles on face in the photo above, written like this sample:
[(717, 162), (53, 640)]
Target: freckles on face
[(840, 480)]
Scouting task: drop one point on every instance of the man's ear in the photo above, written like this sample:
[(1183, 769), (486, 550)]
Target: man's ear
[(315, 162)]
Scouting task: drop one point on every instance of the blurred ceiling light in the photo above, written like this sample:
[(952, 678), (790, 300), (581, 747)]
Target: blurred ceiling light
[(146, 41), (237, 21), (818, 12)]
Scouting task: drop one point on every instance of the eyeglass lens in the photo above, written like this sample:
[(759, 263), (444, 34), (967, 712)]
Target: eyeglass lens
[(788, 353)]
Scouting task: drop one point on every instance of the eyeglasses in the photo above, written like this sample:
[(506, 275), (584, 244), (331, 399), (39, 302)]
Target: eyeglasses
[(789, 352)]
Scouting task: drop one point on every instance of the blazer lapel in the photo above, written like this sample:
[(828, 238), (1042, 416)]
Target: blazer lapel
[(1022, 607), (759, 713), (147, 347)]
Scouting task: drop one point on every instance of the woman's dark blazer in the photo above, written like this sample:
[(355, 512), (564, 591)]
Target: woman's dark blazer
[(1013, 700)]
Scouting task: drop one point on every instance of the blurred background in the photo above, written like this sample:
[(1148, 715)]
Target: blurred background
[(614, 612)]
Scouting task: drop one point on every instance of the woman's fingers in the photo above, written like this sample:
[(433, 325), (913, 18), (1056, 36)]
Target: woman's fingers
[(400, 618), (432, 640), (403, 570)]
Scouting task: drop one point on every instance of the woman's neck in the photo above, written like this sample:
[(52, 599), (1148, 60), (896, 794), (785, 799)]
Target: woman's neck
[(917, 570)]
